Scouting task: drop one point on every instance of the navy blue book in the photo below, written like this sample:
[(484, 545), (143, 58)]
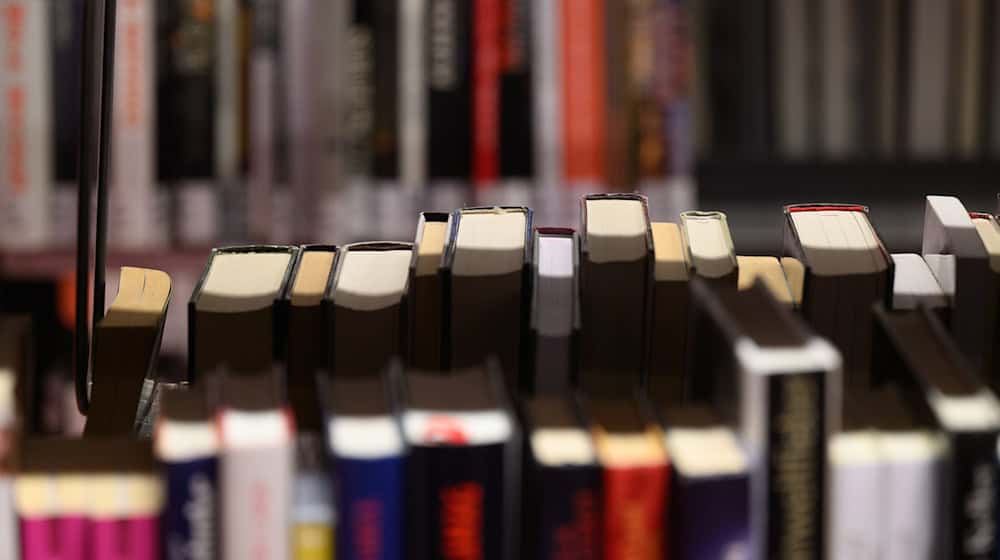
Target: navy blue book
[(369, 461), (187, 444), (462, 486), (562, 482), (709, 486)]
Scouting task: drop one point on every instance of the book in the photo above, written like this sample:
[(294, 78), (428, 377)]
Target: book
[(619, 98), (669, 324), (791, 46), (615, 262), (392, 201), (449, 83), (357, 94), (126, 346), (547, 60), (583, 119), (840, 103), (957, 256), (555, 311), (913, 350), (517, 118), (426, 291), (311, 109), (989, 233), (412, 108), (886, 473), (846, 270), (486, 271), (914, 285), (562, 481), (88, 498), (313, 515), (185, 96), (709, 245), (929, 33), (795, 274), (635, 478), (66, 22), (369, 460), (26, 156), (966, 73), (709, 485), (767, 270), (236, 312), (9, 534), (779, 386), (256, 465), (187, 446), (135, 198), (366, 307), (463, 466), (484, 51), (306, 352)]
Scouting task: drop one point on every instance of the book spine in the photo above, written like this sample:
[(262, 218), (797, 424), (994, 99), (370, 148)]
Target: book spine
[(412, 103), (359, 90), (133, 173), (912, 507), (635, 509), (370, 508), (839, 101), (309, 135), (449, 99), (187, 101), (546, 59), (265, 112), (928, 88), (709, 517), (67, 40), (140, 534), (313, 517), (680, 112), (973, 508), (855, 513), (485, 92), (584, 103), (9, 534), (25, 124), (792, 507), (63, 537), (619, 98), (517, 50), (256, 493), (227, 98), (455, 499), (386, 73), (649, 29), (190, 512), (565, 524), (790, 48)]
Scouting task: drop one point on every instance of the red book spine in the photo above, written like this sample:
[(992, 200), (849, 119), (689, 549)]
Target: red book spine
[(634, 513), (486, 92), (584, 96)]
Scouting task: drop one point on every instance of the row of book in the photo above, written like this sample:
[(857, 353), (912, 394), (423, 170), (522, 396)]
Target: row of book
[(634, 391), (842, 80), (298, 120)]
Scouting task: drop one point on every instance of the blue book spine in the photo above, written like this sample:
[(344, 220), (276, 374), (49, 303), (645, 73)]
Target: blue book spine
[(190, 513), (710, 517), (369, 508)]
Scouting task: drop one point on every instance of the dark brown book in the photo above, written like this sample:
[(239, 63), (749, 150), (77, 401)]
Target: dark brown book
[(126, 346), (616, 262), (669, 324), (236, 313), (846, 269), (426, 292), (486, 271), (306, 350), (366, 307)]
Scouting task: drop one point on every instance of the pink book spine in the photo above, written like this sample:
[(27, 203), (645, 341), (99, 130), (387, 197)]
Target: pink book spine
[(37, 541), (134, 538)]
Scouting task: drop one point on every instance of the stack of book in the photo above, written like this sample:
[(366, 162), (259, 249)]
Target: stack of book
[(500, 390)]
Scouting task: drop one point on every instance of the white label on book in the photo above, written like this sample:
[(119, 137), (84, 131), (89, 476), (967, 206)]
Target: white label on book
[(365, 437), (429, 427)]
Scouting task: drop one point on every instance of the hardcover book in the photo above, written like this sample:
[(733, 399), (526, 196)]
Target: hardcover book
[(709, 246), (555, 311), (426, 291), (669, 325)]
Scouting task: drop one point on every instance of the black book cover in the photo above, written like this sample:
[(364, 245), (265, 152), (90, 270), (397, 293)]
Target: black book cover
[(243, 341), (516, 142), (449, 84), (67, 41), (425, 298), (359, 88), (186, 58), (385, 136)]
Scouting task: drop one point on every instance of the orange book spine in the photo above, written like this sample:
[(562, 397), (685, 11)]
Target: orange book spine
[(635, 501), (584, 96)]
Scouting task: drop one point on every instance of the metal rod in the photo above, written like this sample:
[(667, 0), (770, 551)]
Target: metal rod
[(81, 354), (107, 107)]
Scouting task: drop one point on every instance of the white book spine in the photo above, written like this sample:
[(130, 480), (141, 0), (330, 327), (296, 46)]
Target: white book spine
[(913, 502), (412, 101), (548, 147), (256, 502), (929, 78), (855, 517), (25, 124), (839, 101), (133, 157)]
